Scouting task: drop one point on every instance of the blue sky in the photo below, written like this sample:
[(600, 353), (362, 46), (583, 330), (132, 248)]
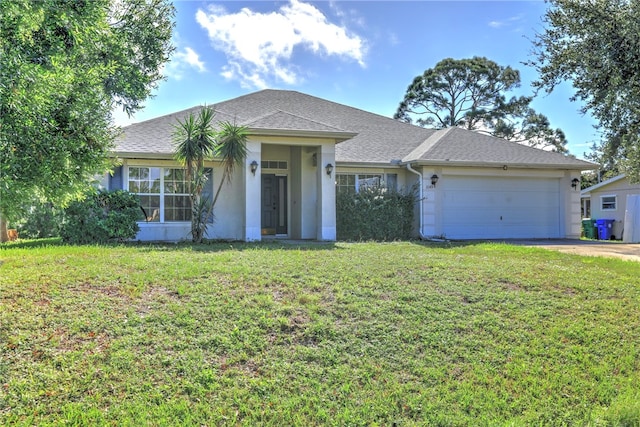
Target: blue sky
[(360, 53)]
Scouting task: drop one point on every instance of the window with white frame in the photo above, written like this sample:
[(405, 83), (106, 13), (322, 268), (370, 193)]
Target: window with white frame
[(608, 203), (345, 183), (353, 183), (274, 164), (163, 193), (368, 181)]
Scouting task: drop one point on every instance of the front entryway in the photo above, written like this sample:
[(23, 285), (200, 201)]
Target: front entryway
[(274, 205)]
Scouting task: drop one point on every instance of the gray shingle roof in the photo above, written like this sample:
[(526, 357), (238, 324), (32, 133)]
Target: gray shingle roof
[(378, 139), (284, 123), (455, 146), (370, 138)]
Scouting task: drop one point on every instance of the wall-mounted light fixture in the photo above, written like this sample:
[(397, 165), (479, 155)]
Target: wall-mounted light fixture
[(434, 179), (574, 183), (254, 167), (329, 168)]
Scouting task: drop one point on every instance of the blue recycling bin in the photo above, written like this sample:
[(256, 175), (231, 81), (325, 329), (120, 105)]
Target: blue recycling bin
[(604, 228)]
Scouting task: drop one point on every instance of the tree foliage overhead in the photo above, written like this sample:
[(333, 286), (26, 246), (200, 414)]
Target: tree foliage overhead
[(64, 65), (472, 93), (595, 44)]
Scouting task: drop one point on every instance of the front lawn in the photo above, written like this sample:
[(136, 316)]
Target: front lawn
[(338, 334)]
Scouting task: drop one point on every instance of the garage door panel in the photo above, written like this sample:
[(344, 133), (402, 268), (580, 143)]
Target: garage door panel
[(487, 207)]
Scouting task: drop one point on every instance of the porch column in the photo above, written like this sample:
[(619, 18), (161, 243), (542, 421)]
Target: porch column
[(252, 193), (326, 193), (571, 228)]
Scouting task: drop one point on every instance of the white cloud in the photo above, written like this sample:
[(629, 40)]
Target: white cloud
[(512, 21), (248, 80), (350, 15), (192, 58), (259, 46), (183, 60)]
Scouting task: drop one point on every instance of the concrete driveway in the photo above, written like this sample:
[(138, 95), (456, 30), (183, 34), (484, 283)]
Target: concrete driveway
[(603, 248)]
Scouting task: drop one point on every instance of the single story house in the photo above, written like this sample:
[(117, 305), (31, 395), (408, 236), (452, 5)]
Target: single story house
[(608, 200), (302, 149)]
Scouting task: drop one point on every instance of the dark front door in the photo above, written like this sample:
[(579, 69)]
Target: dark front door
[(274, 204)]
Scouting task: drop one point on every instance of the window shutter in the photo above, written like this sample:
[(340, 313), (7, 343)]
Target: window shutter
[(115, 180), (392, 181)]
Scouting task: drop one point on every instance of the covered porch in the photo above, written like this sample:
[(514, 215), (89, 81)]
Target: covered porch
[(290, 189)]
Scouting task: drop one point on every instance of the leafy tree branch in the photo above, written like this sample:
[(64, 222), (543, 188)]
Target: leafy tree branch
[(64, 65), (595, 45)]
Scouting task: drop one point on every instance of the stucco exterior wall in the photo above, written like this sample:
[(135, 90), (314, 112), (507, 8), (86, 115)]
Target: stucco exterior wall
[(302, 202), (310, 192), (309, 199), (434, 219), (228, 224)]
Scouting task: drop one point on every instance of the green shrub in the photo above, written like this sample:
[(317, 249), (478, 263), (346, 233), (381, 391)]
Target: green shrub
[(375, 213), (41, 220), (101, 217)]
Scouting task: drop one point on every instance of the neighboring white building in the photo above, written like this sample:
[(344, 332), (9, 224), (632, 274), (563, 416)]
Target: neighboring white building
[(472, 186), (608, 200)]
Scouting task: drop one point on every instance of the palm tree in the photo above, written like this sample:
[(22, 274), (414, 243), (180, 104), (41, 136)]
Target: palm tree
[(231, 150), (195, 141)]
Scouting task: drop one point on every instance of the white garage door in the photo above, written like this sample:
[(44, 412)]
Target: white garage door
[(500, 208)]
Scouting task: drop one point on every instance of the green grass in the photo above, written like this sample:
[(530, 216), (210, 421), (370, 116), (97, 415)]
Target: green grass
[(342, 334)]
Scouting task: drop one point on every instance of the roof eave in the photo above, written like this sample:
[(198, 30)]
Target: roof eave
[(469, 163), (140, 155), (338, 136), (368, 164)]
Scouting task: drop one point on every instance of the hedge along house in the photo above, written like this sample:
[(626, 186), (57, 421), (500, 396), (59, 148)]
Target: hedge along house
[(302, 149)]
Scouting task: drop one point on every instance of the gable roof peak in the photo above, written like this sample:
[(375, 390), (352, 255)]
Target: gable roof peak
[(279, 111), (279, 122), (604, 183)]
